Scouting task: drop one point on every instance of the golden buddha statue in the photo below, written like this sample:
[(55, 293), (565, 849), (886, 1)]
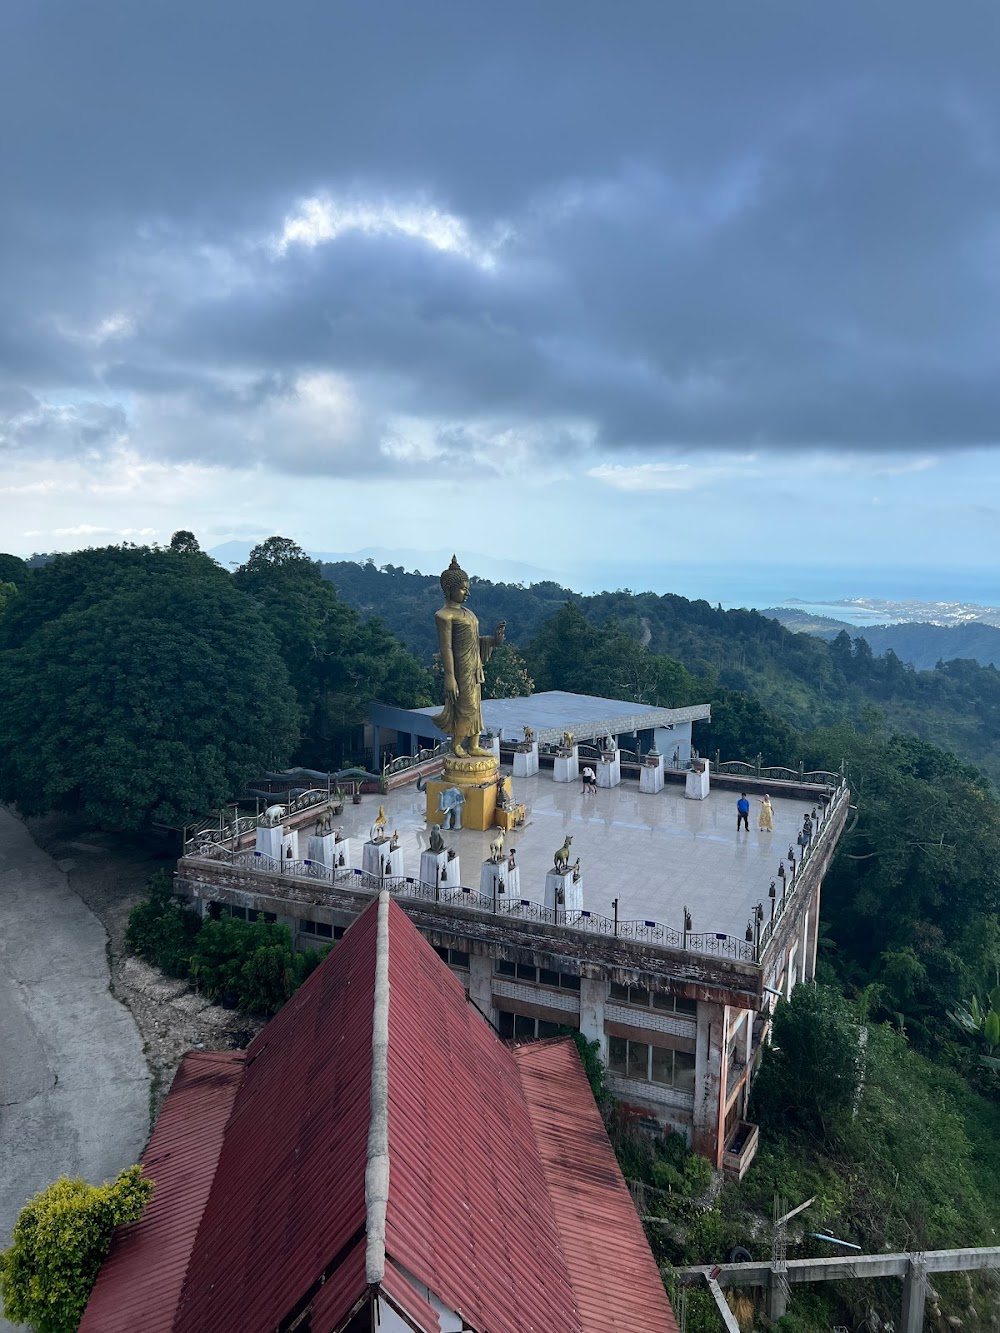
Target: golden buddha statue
[(463, 652)]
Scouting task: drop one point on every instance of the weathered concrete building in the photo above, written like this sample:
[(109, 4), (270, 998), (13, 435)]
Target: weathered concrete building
[(689, 933)]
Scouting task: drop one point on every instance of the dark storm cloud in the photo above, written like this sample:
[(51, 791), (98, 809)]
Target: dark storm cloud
[(721, 225)]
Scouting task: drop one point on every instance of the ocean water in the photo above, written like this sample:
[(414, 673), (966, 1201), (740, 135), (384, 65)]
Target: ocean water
[(816, 589)]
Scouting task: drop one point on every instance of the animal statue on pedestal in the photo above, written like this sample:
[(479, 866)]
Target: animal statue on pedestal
[(436, 841), (562, 855), (496, 848), (272, 816), (450, 802)]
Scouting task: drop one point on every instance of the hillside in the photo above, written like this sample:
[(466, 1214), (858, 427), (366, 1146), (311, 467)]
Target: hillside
[(920, 644), (805, 680)]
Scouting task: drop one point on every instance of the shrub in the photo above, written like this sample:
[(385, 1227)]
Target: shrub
[(59, 1243), (268, 978), (160, 931), (593, 1067)]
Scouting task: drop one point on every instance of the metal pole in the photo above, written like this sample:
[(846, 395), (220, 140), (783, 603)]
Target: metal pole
[(614, 904)]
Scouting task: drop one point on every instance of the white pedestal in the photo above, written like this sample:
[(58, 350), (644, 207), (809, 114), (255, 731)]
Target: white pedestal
[(609, 771), (320, 848), (491, 743), (651, 776), (431, 866), (566, 768), (696, 784), (269, 841), (563, 894), (495, 879), (526, 762), (290, 843), (377, 859)]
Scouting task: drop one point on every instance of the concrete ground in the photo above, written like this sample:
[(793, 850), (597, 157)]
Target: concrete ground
[(74, 1086), (656, 854)]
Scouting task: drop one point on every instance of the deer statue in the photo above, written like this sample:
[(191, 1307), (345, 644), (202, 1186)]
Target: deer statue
[(562, 855)]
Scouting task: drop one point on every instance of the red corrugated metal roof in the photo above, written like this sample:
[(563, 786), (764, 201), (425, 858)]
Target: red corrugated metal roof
[(140, 1282), (289, 1195), (614, 1277), (478, 1211), (468, 1214), (400, 1292), (338, 1297)]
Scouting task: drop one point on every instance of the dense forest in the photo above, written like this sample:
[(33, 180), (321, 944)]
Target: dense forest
[(804, 681), (142, 684), (919, 644)]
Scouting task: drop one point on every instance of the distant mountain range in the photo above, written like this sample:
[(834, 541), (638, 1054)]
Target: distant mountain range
[(920, 644)]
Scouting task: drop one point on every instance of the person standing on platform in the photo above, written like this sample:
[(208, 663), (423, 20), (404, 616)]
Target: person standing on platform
[(766, 820), (743, 812)]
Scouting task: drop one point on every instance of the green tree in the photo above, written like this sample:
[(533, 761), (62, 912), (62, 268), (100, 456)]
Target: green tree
[(13, 569), (810, 1074), (137, 686), (185, 543), (60, 1240), (8, 591), (506, 675), (338, 662), (742, 728)]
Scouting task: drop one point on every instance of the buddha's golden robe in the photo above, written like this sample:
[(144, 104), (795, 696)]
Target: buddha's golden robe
[(459, 627)]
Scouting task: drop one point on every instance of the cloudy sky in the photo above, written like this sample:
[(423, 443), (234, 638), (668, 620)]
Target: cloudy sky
[(662, 281)]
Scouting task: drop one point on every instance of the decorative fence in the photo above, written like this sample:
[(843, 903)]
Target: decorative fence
[(407, 761)]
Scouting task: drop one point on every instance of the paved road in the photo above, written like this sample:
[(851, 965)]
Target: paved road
[(74, 1087)]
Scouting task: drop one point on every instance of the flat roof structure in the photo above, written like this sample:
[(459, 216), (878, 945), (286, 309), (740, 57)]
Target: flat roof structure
[(549, 713)]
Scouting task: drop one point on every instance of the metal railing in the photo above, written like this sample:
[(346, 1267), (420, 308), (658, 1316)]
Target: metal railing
[(592, 923), (407, 761), (817, 777), (784, 886)]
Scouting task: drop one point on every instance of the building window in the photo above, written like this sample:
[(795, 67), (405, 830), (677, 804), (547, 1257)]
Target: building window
[(643, 999), (651, 1064), (453, 957), (541, 976), (523, 1028), (320, 929)]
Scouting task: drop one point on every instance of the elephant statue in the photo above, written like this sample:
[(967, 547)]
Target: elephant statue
[(450, 802)]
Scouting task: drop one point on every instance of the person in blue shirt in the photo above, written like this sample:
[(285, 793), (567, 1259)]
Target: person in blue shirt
[(743, 812)]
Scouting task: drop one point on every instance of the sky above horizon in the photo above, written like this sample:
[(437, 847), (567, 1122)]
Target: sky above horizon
[(550, 282)]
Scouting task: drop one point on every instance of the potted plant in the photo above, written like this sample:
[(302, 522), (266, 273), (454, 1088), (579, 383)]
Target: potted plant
[(356, 794), (338, 801)]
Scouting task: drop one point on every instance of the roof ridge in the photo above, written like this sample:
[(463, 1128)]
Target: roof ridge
[(377, 1167)]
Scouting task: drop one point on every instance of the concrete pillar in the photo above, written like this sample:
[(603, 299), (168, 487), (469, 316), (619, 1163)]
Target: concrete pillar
[(777, 1294), (791, 971), (804, 947), (814, 934), (914, 1295), (709, 1082), (593, 997), (481, 984), (414, 743), (376, 747)]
